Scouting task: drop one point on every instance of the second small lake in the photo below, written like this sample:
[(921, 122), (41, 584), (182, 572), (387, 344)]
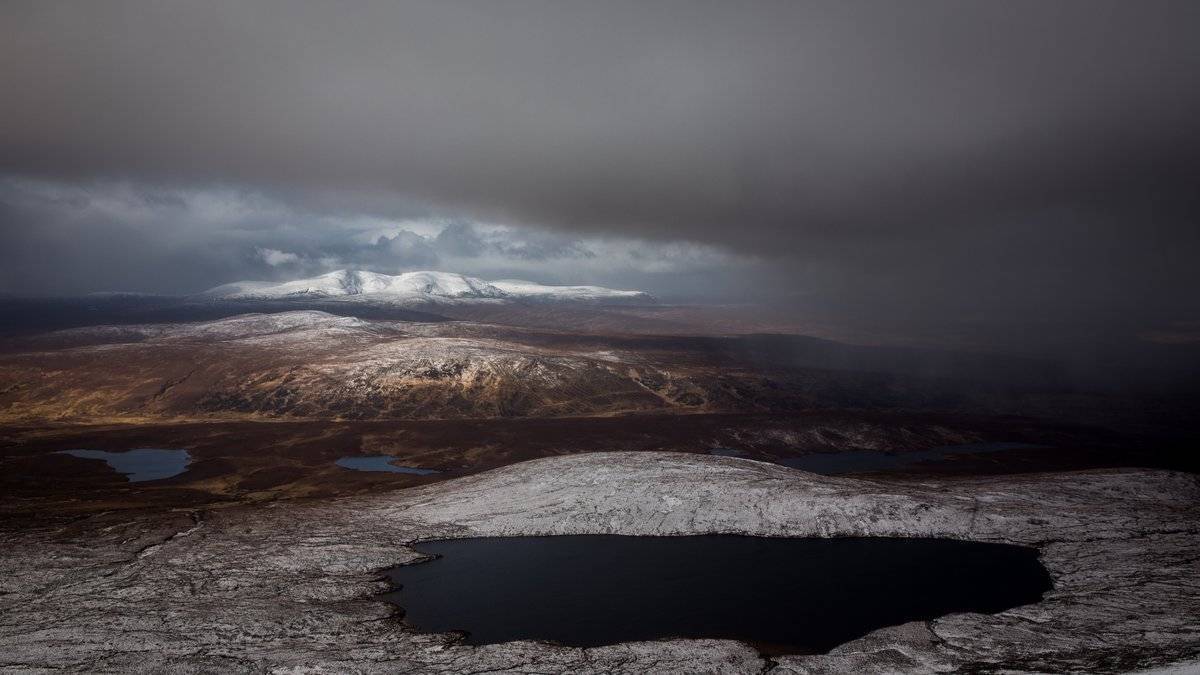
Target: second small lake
[(381, 463), (863, 461)]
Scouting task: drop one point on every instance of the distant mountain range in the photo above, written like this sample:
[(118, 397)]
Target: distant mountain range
[(416, 288)]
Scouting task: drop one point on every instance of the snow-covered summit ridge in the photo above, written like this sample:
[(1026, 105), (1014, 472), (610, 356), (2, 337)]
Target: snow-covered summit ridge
[(534, 290), (356, 282), (414, 286)]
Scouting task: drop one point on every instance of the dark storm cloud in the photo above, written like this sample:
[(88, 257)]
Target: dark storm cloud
[(461, 239), (1014, 158), (64, 239)]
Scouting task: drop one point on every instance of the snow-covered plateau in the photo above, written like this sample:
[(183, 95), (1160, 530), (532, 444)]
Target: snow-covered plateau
[(287, 587), (416, 288)]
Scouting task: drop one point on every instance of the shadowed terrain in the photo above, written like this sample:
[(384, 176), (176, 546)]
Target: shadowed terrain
[(266, 403)]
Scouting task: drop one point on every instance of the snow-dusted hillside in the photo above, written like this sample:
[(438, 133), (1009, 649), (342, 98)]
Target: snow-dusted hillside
[(415, 287)]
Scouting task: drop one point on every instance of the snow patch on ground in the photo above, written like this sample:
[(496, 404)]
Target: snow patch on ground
[(286, 587)]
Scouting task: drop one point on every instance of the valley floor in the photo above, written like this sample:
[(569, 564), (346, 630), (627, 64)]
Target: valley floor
[(259, 462)]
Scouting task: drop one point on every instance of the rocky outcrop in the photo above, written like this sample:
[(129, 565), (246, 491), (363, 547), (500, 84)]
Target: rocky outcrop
[(287, 587)]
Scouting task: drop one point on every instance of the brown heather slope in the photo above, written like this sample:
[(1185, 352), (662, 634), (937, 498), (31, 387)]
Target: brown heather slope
[(313, 365)]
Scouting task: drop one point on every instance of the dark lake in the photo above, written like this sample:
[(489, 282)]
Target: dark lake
[(381, 463), (863, 461), (784, 595), (141, 464)]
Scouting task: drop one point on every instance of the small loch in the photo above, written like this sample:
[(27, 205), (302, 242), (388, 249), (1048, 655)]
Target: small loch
[(140, 464)]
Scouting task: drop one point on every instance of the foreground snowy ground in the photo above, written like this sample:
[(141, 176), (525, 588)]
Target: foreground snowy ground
[(287, 587)]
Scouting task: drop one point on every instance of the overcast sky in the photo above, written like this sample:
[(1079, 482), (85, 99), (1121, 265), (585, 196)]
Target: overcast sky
[(1015, 160)]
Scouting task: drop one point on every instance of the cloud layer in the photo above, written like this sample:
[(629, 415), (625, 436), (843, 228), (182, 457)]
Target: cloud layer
[(1015, 160), (118, 236)]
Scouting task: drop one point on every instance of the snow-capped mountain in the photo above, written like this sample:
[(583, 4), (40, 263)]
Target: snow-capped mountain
[(530, 290), (417, 287), (356, 282)]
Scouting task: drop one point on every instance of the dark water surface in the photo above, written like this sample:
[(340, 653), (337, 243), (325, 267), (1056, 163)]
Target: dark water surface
[(141, 464), (381, 463), (786, 595), (863, 461)]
